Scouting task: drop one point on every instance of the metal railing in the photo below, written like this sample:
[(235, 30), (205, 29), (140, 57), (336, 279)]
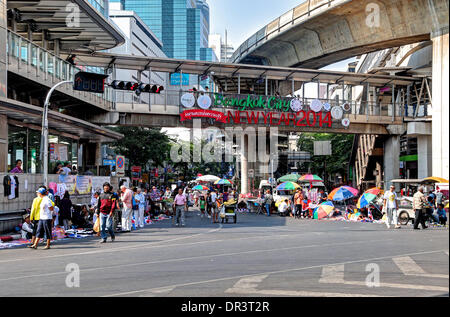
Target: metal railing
[(34, 58), (281, 24), (172, 98)]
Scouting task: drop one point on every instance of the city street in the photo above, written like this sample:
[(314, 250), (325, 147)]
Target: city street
[(257, 257)]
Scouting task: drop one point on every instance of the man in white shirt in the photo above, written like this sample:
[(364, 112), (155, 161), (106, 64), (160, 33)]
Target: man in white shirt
[(390, 206), (45, 219), (283, 207)]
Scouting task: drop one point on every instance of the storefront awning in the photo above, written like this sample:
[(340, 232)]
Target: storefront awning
[(30, 114)]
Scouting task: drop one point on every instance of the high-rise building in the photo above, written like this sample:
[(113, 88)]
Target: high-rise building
[(182, 25), (101, 6), (223, 51)]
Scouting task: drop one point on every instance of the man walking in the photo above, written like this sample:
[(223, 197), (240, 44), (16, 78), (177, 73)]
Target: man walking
[(105, 206), (390, 205), (126, 196), (214, 209), (268, 200), (180, 205), (419, 201), (44, 228), (139, 214)]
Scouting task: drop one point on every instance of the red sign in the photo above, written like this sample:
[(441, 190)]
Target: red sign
[(299, 119), (190, 114), (136, 172)]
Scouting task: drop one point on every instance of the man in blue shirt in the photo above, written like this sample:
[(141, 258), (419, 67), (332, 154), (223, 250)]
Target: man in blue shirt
[(441, 215), (139, 214)]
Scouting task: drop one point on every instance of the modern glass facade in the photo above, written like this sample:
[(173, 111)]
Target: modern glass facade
[(182, 25), (101, 6)]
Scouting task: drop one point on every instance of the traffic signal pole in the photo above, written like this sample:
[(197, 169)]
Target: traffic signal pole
[(44, 132)]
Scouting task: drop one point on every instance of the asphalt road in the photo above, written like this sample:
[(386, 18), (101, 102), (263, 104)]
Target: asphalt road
[(257, 257)]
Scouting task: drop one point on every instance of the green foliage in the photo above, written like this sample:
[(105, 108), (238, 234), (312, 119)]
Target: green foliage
[(141, 145), (336, 163)]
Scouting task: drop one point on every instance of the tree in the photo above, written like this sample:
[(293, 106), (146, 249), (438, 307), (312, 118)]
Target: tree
[(337, 163), (141, 145)]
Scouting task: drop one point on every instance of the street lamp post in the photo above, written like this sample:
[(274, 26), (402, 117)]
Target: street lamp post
[(44, 133)]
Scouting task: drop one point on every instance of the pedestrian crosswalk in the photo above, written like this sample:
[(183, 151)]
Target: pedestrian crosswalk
[(331, 276)]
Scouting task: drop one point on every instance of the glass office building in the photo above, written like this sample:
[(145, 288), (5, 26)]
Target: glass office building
[(101, 6), (182, 25)]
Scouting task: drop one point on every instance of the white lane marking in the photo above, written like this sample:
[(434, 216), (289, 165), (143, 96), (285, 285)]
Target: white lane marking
[(160, 244), (247, 284), (410, 268), (268, 273), (404, 286), (333, 274), (189, 258), (158, 292), (302, 293)]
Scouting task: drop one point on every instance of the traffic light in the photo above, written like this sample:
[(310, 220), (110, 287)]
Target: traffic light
[(138, 88)]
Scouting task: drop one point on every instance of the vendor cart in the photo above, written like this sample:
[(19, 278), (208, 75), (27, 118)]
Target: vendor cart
[(228, 211)]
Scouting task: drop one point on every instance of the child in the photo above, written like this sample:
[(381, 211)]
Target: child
[(202, 205)]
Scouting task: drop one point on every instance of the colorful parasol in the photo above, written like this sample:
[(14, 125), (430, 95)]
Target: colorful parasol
[(289, 178), (288, 186), (343, 193), (222, 182), (365, 200), (376, 191), (200, 187), (323, 210), (311, 178)]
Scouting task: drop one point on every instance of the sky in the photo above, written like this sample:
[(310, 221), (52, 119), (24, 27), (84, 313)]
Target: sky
[(243, 18)]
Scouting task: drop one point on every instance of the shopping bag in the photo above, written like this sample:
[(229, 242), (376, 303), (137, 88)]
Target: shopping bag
[(97, 225)]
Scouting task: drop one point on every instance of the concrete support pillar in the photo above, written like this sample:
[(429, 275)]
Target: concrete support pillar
[(424, 150), (3, 56), (244, 164), (391, 160), (440, 106), (3, 143), (98, 156)]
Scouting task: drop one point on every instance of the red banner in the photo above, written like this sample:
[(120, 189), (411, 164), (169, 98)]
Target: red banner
[(190, 114)]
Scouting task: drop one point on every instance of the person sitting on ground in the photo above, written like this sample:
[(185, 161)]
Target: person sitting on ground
[(441, 215), (27, 228), (283, 207)]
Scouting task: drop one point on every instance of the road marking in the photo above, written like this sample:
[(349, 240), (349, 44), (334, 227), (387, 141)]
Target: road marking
[(158, 292), (268, 273), (160, 244), (410, 268), (332, 274), (188, 258), (246, 284)]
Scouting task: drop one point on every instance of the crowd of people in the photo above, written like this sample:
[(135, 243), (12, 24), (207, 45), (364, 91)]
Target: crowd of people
[(113, 211)]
